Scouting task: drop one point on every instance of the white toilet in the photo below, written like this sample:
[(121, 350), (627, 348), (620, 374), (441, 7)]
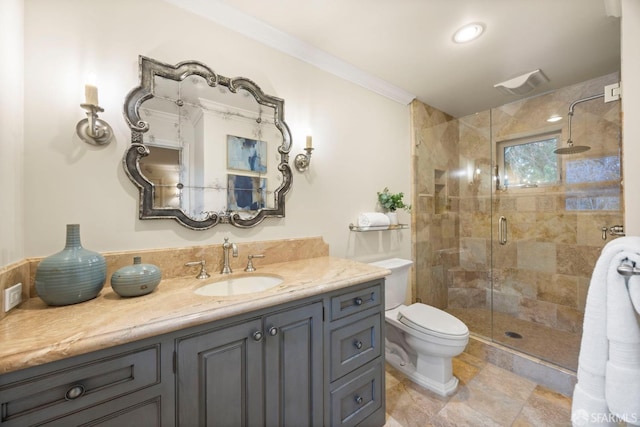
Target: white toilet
[(420, 340)]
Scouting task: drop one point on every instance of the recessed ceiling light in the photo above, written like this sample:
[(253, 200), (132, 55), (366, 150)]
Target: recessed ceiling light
[(554, 118), (468, 33)]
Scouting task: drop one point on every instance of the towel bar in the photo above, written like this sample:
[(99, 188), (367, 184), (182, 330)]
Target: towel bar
[(628, 270)]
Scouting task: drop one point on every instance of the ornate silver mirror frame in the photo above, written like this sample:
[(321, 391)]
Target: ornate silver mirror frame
[(149, 71)]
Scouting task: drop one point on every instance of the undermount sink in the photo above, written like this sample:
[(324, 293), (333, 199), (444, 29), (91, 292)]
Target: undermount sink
[(238, 285)]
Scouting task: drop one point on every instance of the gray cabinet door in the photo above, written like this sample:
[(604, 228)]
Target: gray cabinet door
[(219, 377), (293, 367)]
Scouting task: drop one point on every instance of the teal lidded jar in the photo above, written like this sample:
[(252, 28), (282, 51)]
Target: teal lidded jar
[(72, 275), (135, 280)]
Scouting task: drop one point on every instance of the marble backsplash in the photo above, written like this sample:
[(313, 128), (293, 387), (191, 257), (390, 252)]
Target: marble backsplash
[(172, 261)]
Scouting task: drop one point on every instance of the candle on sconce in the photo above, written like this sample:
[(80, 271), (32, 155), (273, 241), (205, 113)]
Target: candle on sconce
[(309, 144), (91, 94)]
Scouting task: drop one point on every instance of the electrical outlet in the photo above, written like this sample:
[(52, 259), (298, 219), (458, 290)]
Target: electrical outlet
[(12, 296)]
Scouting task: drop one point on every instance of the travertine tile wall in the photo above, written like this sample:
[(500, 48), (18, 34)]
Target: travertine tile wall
[(469, 283), (542, 274), (435, 200)]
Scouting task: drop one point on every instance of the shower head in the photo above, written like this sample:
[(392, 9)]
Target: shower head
[(572, 149)]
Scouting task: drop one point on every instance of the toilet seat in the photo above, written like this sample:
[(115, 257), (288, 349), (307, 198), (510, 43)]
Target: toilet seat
[(432, 321)]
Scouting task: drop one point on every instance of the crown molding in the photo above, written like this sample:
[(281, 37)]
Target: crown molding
[(230, 17)]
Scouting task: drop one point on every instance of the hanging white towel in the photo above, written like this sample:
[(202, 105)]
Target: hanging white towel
[(622, 377), (609, 361)]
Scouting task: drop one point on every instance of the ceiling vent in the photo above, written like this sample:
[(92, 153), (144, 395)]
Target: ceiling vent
[(523, 84)]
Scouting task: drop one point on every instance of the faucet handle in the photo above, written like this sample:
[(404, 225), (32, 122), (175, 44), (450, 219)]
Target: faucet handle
[(203, 272), (250, 266)]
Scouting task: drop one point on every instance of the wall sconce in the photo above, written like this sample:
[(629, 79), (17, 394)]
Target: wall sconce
[(93, 130), (302, 161)]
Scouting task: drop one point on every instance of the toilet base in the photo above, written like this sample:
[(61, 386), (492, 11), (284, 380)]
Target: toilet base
[(444, 389)]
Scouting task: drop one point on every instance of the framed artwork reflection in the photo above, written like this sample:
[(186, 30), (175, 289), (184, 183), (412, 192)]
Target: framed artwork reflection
[(246, 154), (246, 193)]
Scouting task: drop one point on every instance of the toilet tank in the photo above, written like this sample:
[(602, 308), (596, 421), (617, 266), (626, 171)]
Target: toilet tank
[(396, 284)]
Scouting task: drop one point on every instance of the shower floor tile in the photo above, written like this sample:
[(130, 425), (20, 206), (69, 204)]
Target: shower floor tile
[(558, 347), (486, 396)]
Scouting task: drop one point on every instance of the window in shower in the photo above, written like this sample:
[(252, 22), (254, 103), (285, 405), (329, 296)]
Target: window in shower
[(594, 184), (529, 162)]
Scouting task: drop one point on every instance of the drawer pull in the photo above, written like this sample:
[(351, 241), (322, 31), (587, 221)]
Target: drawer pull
[(359, 400), (358, 344), (358, 301), (74, 392), (273, 331), (257, 335)]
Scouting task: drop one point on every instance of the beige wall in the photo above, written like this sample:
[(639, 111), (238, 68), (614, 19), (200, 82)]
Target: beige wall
[(361, 138), (631, 112), (11, 131)]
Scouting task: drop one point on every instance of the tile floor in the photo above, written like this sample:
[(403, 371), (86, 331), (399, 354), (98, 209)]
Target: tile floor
[(486, 396), (557, 347)]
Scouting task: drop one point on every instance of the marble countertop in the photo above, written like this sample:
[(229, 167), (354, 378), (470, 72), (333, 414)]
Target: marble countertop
[(35, 333)]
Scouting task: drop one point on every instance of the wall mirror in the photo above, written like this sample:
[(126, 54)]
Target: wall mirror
[(206, 149)]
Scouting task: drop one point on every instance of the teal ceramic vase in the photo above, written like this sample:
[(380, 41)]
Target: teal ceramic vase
[(72, 275), (135, 280)]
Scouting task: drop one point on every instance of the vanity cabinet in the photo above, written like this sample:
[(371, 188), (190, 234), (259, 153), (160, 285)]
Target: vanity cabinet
[(263, 371), (315, 361)]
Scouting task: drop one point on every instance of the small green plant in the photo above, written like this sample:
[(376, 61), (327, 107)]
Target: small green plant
[(391, 201)]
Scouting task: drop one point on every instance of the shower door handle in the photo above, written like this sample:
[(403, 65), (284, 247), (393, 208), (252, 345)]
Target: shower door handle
[(502, 230)]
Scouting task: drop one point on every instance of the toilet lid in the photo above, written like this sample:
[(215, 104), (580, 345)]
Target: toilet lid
[(430, 320)]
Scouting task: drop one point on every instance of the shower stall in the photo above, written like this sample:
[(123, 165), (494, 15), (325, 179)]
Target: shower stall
[(506, 227)]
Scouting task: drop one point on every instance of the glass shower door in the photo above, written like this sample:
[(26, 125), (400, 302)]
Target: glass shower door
[(548, 211)]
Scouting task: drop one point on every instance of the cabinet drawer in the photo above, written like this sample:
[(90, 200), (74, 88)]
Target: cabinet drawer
[(354, 345), (358, 397), (356, 301), (72, 388), (115, 414)]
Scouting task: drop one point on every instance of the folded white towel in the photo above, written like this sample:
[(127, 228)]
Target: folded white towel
[(373, 219), (594, 407), (621, 389), (634, 291), (622, 376), (608, 365)]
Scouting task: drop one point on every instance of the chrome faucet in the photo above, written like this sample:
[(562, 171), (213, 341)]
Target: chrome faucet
[(250, 267), (203, 271), (226, 269)]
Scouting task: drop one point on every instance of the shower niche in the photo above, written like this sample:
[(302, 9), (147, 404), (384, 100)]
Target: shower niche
[(441, 192)]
